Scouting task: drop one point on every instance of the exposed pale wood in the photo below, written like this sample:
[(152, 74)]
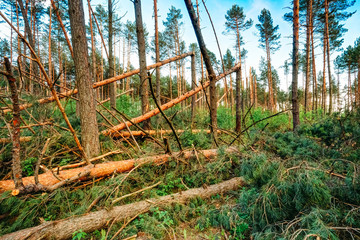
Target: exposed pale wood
[(156, 132), (63, 229), (34, 125), (47, 179)]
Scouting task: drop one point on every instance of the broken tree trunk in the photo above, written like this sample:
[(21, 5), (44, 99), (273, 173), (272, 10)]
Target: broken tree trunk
[(104, 82), (48, 179), (167, 105), (210, 70), (16, 165), (63, 229)]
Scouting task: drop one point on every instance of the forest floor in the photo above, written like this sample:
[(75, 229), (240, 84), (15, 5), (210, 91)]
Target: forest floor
[(303, 185)]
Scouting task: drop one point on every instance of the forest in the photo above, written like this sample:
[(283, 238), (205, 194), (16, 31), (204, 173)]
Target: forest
[(130, 119)]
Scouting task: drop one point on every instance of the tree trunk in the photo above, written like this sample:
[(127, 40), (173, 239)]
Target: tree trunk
[(48, 179), (315, 88), (144, 93), (30, 38), (241, 88), (295, 63), (238, 99), (92, 49), (64, 229), (128, 79), (193, 80), (328, 52), (87, 107), (112, 86), (308, 34), (323, 95), (358, 81), (50, 71), (16, 165), (157, 53), (349, 87), (212, 76), (269, 72), (62, 27), (255, 92), (251, 88)]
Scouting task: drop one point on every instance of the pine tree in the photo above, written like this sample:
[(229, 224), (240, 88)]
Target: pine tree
[(144, 91), (295, 64), (235, 23), (87, 107), (269, 40)]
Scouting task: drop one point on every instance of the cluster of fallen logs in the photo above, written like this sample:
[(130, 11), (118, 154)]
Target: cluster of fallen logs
[(51, 177), (63, 229)]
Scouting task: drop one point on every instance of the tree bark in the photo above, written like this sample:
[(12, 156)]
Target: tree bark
[(323, 95), (63, 229), (358, 81), (238, 100), (255, 92), (87, 107), (157, 53), (315, 88), (270, 82), (212, 76), (308, 35), (328, 52), (92, 48), (144, 93), (112, 86), (30, 38), (16, 165), (193, 80), (295, 63), (62, 27)]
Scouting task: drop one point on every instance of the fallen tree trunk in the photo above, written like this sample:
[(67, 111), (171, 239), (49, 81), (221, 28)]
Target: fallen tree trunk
[(155, 132), (166, 105), (45, 100), (8, 140), (122, 134), (104, 82), (48, 179), (63, 229)]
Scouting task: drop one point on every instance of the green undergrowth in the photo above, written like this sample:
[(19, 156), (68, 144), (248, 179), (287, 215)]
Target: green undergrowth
[(175, 175), (301, 185)]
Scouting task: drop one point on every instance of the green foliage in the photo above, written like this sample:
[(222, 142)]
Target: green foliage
[(78, 235), (28, 166), (199, 140)]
